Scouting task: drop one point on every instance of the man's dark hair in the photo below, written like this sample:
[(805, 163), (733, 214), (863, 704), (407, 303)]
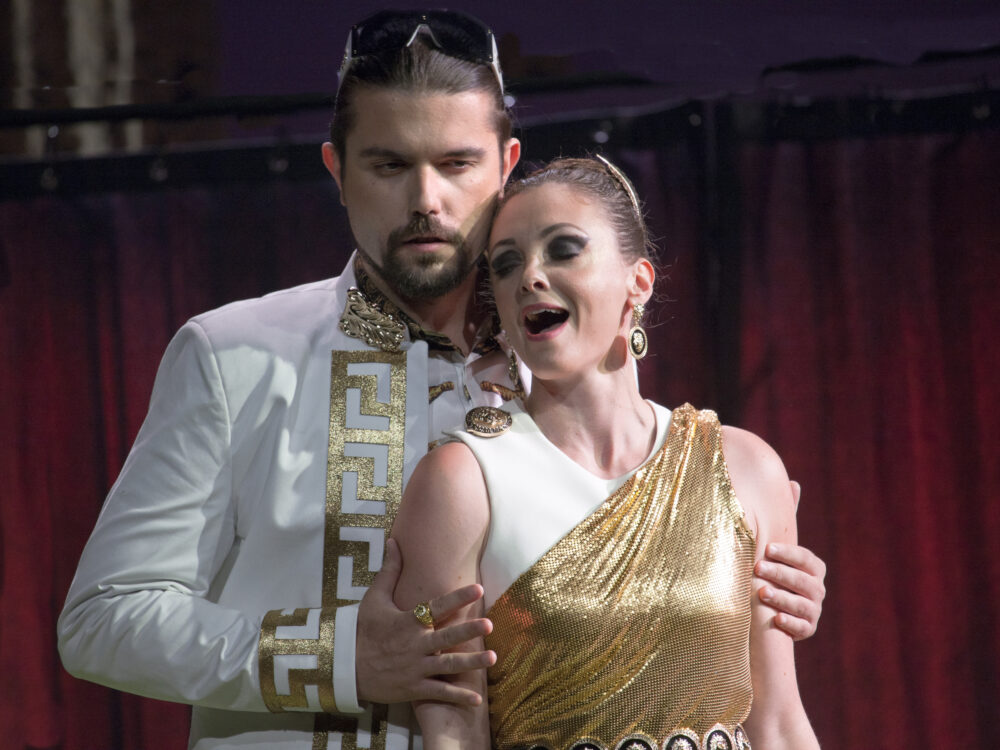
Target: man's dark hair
[(417, 68)]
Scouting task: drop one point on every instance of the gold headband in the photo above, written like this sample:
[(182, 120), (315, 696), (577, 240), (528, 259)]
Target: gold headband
[(624, 182)]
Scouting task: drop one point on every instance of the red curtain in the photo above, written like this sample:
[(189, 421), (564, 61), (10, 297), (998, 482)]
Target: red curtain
[(869, 359), (95, 288), (862, 340)]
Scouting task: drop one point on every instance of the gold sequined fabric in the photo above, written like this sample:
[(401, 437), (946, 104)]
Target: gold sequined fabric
[(636, 624)]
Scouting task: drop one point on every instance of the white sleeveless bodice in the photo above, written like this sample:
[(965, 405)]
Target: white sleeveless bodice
[(537, 493)]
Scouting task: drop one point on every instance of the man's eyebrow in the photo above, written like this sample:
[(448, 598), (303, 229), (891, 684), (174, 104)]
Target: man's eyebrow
[(380, 153), (465, 153)]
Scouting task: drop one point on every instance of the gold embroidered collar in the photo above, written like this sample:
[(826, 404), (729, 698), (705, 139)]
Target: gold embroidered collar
[(375, 319)]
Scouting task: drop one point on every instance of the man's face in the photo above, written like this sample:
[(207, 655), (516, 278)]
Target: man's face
[(419, 179)]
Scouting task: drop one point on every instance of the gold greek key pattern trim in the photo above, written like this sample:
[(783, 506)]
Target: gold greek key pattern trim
[(367, 434), (363, 489), (298, 677), (355, 732), (364, 485)]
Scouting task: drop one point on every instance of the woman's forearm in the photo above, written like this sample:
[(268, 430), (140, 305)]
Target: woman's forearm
[(791, 731), (447, 726)]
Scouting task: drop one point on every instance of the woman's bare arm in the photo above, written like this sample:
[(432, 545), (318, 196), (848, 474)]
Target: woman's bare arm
[(441, 529), (777, 719)]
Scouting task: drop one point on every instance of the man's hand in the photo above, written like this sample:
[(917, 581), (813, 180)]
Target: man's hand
[(797, 591), (400, 660)]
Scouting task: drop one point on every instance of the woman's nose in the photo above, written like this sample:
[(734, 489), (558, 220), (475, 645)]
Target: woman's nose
[(533, 278)]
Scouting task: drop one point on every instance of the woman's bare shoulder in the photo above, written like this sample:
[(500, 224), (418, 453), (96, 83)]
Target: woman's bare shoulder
[(448, 481), (761, 483), (451, 456), (745, 451)]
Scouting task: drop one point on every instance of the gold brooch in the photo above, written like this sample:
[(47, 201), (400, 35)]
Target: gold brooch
[(362, 320), (487, 421)]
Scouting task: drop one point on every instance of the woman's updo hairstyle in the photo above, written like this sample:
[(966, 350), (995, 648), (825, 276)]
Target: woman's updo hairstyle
[(601, 180)]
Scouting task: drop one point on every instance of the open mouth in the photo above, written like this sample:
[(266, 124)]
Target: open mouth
[(538, 321)]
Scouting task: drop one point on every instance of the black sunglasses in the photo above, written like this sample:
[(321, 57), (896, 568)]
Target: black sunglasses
[(453, 33)]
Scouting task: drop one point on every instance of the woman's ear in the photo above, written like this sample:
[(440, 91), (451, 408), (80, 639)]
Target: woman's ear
[(642, 281)]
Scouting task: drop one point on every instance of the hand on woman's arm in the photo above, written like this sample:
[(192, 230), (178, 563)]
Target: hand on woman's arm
[(795, 577), (777, 719), (441, 528)]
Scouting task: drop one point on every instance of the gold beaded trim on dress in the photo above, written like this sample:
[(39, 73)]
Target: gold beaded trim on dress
[(717, 738)]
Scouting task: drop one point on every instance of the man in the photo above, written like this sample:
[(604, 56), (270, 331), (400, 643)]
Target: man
[(228, 563)]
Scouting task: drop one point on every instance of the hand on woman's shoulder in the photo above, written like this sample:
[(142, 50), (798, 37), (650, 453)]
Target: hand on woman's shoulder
[(761, 485)]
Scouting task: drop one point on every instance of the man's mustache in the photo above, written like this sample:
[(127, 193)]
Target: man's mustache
[(423, 226)]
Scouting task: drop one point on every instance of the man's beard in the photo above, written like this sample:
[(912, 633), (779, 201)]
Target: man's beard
[(423, 277)]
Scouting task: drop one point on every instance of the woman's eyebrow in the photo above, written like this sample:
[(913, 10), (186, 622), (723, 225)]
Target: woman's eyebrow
[(502, 243), (556, 227)]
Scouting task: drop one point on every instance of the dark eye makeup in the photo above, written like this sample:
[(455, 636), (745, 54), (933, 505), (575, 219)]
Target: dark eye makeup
[(565, 246), (559, 247), (504, 261)]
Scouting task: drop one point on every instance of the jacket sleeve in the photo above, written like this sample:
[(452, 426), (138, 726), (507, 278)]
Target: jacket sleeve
[(139, 615)]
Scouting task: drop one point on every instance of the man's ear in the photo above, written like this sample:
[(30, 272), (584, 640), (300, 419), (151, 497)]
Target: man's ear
[(333, 165), (511, 155)]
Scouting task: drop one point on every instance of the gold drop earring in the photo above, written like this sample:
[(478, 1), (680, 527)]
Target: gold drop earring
[(638, 342), (515, 375)]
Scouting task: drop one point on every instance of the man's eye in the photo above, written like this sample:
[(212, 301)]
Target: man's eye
[(388, 167)]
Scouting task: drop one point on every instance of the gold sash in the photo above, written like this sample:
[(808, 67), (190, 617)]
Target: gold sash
[(637, 622)]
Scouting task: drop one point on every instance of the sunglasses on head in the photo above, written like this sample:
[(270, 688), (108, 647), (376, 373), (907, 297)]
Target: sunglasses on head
[(453, 33)]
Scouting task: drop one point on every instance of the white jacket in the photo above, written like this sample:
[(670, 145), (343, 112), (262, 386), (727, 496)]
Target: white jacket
[(264, 480)]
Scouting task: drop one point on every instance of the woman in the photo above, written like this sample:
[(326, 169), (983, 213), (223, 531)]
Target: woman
[(606, 531)]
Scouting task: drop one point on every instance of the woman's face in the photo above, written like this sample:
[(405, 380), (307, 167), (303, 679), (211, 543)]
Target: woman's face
[(562, 287)]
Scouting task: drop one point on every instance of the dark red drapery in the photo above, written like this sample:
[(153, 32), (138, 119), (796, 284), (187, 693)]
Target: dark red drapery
[(861, 332), (870, 347)]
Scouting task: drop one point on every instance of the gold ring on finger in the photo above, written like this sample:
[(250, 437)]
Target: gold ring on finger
[(423, 614)]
